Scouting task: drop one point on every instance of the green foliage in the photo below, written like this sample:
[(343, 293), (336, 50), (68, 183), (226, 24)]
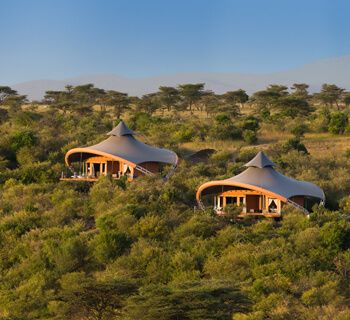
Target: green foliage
[(249, 136), (222, 119), (88, 298), (100, 193), (3, 115), (295, 144), (22, 139), (224, 129), (299, 130), (251, 123), (140, 121), (330, 94), (138, 250), (338, 123), (110, 244), (206, 300), (237, 96), (335, 235), (292, 106), (191, 94)]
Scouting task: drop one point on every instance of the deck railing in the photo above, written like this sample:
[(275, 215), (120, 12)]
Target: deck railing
[(245, 212), (298, 206), (82, 177), (143, 170)]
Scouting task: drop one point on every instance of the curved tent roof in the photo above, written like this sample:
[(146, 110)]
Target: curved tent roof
[(261, 176), (121, 130), (260, 161), (122, 145)]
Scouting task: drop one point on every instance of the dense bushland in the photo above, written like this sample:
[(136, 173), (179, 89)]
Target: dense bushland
[(139, 250)]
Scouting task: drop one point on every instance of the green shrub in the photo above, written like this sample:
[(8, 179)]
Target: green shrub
[(23, 139), (110, 244), (225, 132), (249, 136), (251, 123), (338, 123), (294, 144), (299, 130)]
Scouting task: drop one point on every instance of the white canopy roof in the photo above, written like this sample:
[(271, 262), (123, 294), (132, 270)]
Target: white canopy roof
[(123, 145), (261, 175)]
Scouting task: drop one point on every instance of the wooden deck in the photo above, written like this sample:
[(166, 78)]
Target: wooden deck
[(260, 214), (79, 179), (253, 214), (90, 179)]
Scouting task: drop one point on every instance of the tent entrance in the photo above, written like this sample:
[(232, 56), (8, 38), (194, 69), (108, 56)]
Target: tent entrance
[(96, 169), (113, 168), (253, 203)]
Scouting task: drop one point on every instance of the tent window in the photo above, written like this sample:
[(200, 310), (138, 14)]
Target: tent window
[(272, 205), (241, 201), (231, 200), (125, 168)]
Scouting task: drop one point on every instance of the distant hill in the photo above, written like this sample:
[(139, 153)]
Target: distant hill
[(335, 70)]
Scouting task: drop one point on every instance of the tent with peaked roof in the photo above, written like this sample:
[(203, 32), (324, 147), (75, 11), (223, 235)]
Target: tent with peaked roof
[(259, 186), (119, 153)]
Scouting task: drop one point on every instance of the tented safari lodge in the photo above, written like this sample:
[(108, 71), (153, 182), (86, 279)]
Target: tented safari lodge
[(121, 154), (260, 191)]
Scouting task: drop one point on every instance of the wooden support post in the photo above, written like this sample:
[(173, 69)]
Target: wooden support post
[(278, 206), (260, 203)]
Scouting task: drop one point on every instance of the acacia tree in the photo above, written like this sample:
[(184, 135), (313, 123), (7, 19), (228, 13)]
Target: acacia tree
[(292, 106), (79, 99), (277, 97), (278, 89), (60, 100), (330, 94), (236, 97), (15, 102), (191, 94), (52, 97), (5, 92), (118, 100), (168, 96), (87, 298), (85, 97), (346, 99), (11, 99), (196, 300), (210, 103), (269, 97), (149, 103), (300, 90)]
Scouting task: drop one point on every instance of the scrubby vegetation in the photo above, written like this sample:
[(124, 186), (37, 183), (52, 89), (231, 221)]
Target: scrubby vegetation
[(139, 250)]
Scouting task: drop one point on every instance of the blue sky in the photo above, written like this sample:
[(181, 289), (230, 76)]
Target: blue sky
[(57, 39)]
